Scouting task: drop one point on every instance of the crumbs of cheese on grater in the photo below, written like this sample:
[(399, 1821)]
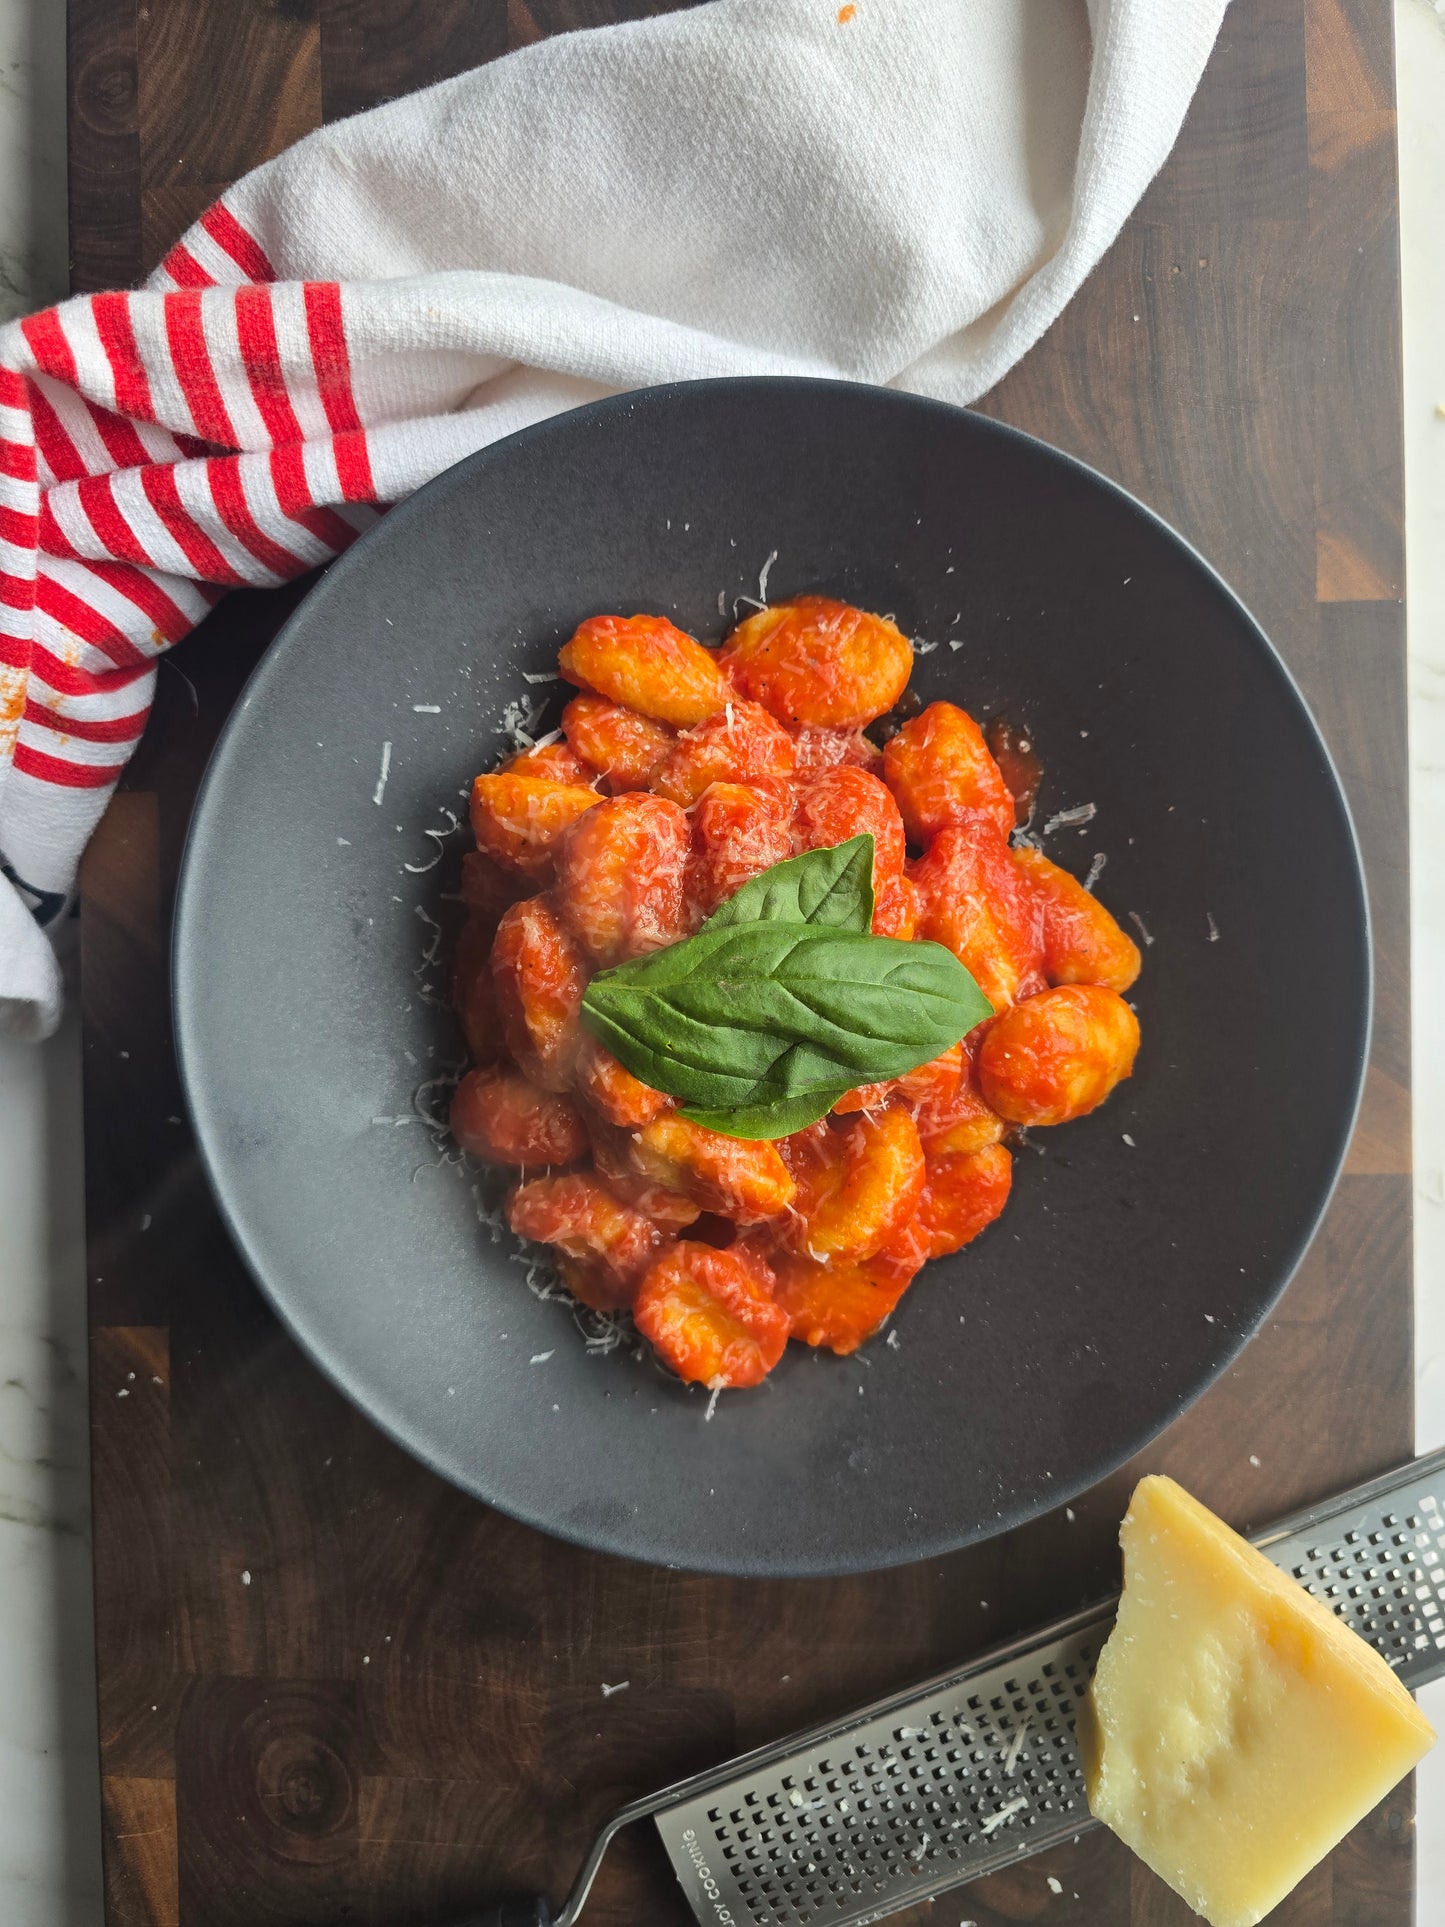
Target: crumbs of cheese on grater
[(1235, 1729)]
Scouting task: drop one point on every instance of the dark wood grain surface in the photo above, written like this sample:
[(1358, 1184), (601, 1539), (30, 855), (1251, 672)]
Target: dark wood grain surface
[(333, 1689)]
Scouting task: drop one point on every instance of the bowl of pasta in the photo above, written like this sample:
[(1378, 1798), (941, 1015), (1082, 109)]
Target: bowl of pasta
[(737, 976)]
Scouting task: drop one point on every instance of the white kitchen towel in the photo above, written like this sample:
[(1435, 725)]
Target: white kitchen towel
[(893, 191)]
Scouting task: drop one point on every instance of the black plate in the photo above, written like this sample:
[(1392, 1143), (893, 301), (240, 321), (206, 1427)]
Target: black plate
[(1128, 1269)]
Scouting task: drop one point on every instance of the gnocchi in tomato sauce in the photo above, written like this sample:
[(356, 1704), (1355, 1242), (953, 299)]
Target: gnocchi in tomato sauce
[(680, 773)]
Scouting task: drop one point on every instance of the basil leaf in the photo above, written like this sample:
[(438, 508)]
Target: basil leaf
[(768, 1120), (768, 1014), (829, 887), (832, 887)]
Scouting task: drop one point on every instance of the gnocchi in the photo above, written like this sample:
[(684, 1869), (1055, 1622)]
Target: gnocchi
[(681, 772), (711, 1316), (648, 664), (618, 745), (736, 745), (501, 1117), (539, 975), (620, 875), (819, 663), (518, 819), (1058, 1055)]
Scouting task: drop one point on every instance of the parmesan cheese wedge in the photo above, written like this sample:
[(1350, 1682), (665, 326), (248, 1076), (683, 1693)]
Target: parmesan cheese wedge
[(1235, 1729)]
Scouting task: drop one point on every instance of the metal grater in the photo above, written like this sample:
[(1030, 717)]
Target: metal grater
[(849, 1822)]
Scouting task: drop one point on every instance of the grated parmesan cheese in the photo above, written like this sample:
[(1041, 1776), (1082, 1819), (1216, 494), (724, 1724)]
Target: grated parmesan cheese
[(763, 575), (429, 955), (538, 1277), (1096, 869), (1004, 1814), (602, 1331), (438, 837), (380, 790), (1016, 1746), (1213, 927), (426, 709), (167, 663), (622, 1684), (1072, 819), (519, 719), (1141, 927)]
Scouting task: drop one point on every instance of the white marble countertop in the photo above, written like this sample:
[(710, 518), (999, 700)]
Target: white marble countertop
[(49, 1752), (49, 1795), (1420, 83)]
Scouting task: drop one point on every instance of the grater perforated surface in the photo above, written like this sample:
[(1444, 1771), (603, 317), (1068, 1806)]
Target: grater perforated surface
[(938, 1790), (848, 1823), (1379, 1562)]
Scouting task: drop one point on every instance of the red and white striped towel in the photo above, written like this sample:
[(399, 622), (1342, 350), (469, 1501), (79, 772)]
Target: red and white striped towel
[(897, 191)]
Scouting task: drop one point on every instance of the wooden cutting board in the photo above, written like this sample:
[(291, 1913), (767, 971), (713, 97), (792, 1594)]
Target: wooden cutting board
[(333, 1689)]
